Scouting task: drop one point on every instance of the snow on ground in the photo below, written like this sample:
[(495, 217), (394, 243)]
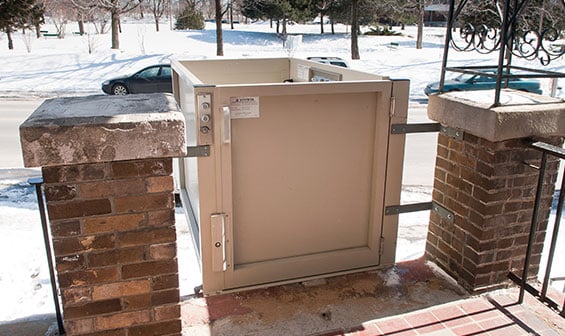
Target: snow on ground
[(64, 67), (24, 278)]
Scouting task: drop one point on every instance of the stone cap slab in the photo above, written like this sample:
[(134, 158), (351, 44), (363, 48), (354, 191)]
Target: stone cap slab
[(100, 128), (521, 114)]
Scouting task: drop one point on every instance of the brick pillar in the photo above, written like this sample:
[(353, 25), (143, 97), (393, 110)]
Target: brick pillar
[(110, 201), (484, 179)]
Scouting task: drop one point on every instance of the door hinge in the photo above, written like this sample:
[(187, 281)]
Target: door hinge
[(392, 106)]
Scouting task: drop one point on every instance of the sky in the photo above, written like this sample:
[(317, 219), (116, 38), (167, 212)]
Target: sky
[(56, 67)]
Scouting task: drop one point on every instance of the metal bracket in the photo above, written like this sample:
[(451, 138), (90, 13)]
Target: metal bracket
[(398, 209), (452, 132), (414, 128), (426, 128), (405, 208), (198, 151), (443, 212)]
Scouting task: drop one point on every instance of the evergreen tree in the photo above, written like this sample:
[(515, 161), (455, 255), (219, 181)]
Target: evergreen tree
[(37, 17), (14, 14), (190, 18)]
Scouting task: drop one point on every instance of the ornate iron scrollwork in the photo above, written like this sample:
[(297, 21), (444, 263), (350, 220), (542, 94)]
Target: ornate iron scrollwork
[(535, 45), (510, 39), (531, 45), (481, 39)]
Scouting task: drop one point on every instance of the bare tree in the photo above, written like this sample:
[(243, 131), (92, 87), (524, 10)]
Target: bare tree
[(219, 11), (88, 11), (208, 9), (354, 30), (322, 6), (158, 9), (420, 14), (116, 8), (83, 13), (406, 11), (219, 32), (61, 12)]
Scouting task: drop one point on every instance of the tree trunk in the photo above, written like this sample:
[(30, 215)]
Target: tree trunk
[(542, 16), (37, 30), (219, 33), (115, 30), (81, 26), (420, 36), (156, 24), (332, 25), (321, 22), (10, 42), (231, 15), (354, 30)]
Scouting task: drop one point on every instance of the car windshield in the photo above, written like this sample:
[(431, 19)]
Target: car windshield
[(463, 77)]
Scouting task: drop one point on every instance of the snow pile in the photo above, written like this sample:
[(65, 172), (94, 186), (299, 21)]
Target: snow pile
[(391, 278), (24, 276)]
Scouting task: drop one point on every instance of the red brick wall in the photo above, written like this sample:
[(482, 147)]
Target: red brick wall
[(114, 242), (491, 191)]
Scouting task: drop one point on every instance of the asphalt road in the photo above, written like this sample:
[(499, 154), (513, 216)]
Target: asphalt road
[(13, 112), (420, 149)]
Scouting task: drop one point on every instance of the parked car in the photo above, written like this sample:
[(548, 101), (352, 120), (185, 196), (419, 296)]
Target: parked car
[(329, 60), (154, 78), (469, 82)]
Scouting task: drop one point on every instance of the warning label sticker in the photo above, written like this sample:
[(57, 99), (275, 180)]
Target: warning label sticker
[(244, 107)]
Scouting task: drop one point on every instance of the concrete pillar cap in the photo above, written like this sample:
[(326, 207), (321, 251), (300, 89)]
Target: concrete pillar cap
[(90, 129), (521, 114)]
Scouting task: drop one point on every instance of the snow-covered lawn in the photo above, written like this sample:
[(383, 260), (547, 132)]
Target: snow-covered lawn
[(64, 66)]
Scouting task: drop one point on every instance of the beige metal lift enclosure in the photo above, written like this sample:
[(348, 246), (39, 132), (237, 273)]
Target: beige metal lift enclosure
[(293, 166)]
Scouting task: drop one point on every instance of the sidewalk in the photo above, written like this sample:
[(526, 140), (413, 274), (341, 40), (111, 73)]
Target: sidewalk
[(39, 326)]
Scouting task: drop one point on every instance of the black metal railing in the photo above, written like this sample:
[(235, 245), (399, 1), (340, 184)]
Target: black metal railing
[(547, 150), (37, 182), (507, 39)]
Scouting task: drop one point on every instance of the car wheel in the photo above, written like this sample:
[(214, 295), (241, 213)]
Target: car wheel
[(119, 90)]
